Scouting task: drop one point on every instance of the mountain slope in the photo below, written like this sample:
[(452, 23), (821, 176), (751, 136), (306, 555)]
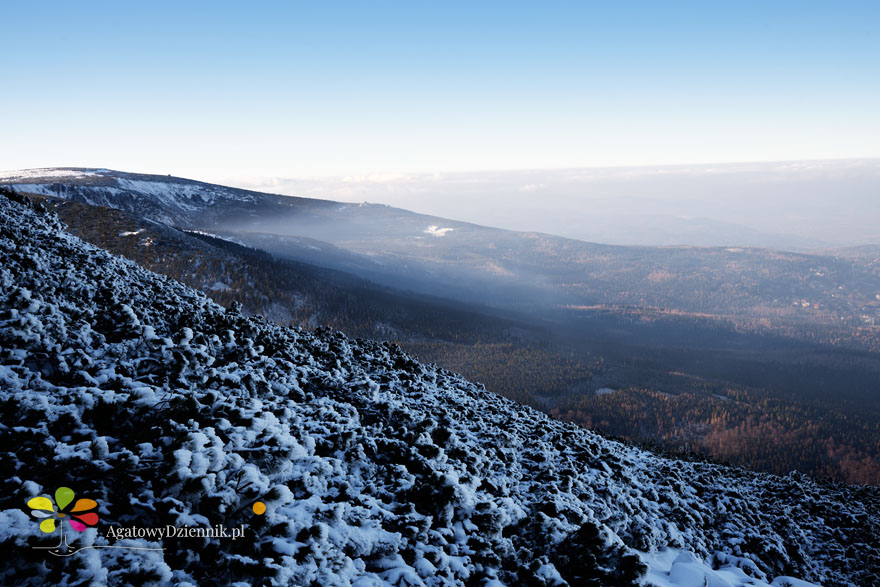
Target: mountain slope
[(802, 430), (170, 200), (169, 410), (754, 356), (762, 290), (286, 292)]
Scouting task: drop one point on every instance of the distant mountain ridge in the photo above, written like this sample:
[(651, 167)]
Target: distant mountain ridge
[(784, 205), (171, 200), (510, 269)]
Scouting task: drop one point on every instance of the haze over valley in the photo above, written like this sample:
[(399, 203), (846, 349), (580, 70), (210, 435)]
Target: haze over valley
[(789, 205)]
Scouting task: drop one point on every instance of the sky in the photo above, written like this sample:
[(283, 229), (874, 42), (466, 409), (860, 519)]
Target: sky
[(245, 92)]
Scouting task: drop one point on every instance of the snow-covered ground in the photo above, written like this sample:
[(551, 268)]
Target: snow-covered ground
[(49, 173), (168, 409), (674, 567), (168, 200)]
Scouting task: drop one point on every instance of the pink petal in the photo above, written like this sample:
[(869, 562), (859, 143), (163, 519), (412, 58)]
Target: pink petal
[(78, 526)]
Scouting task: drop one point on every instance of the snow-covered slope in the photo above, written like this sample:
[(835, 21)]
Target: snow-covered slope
[(167, 409), (171, 200)]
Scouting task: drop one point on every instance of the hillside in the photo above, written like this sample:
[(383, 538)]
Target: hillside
[(170, 200), (725, 365), (167, 409), (284, 291), (821, 297)]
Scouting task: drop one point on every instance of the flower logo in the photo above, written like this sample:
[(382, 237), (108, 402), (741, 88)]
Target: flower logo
[(79, 516)]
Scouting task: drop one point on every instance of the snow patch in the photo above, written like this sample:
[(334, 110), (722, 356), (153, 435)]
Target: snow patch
[(435, 230), (674, 567), (48, 173)]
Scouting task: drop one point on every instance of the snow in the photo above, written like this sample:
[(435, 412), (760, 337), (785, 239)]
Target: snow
[(172, 195), (131, 233), (674, 567), (167, 200), (435, 230), (373, 467), (48, 173), (604, 391)]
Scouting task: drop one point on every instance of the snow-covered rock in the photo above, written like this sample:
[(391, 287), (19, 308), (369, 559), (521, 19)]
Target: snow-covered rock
[(168, 409)]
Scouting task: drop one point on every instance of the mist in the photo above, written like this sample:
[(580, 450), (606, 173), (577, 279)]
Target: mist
[(801, 205)]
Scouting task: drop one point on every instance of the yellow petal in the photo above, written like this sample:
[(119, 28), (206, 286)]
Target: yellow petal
[(41, 503), (47, 526), (84, 504)]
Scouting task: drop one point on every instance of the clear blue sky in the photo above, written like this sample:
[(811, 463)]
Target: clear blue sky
[(213, 90)]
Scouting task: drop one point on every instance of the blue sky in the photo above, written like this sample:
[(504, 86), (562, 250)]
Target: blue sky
[(216, 90)]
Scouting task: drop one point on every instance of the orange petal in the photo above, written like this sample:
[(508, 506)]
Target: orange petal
[(82, 505)]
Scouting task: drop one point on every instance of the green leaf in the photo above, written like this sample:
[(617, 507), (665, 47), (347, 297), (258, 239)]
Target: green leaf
[(63, 496)]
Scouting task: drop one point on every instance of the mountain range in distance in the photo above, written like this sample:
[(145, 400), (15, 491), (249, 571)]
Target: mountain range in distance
[(404, 249), (803, 206), (759, 357)]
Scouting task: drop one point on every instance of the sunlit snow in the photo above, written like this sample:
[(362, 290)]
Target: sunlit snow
[(435, 230)]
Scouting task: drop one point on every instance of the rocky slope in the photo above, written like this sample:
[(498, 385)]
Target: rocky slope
[(169, 410)]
